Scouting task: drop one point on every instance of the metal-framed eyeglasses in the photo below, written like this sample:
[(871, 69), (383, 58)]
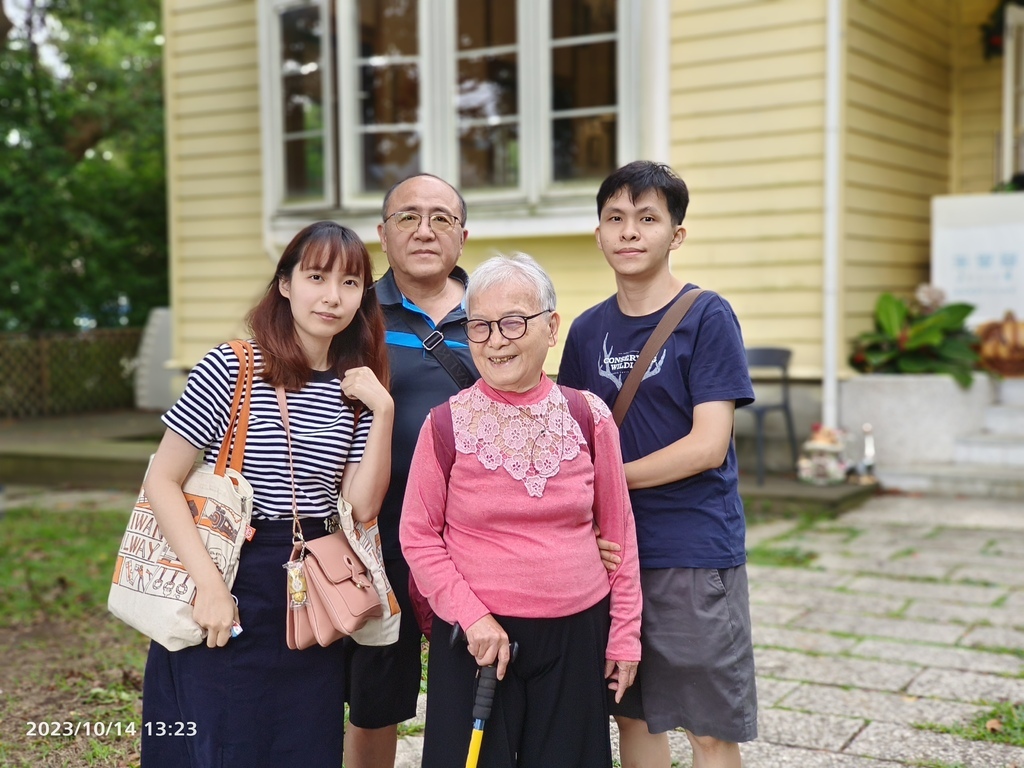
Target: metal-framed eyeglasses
[(409, 221), (512, 327)]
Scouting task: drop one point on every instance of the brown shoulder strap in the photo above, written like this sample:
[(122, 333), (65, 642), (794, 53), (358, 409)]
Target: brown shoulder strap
[(238, 421), (657, 339)]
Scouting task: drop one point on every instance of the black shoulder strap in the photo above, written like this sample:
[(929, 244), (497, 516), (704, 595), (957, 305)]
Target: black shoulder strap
[(444, 430), (433, 342)]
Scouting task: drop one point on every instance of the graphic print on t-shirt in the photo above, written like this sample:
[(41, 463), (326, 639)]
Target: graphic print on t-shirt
[(616, 367)]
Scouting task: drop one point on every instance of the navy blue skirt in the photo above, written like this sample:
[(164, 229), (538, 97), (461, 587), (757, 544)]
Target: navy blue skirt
[(253, 702)]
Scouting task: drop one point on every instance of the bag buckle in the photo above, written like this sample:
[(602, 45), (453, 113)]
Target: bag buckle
[(433, 340), (332, 524)]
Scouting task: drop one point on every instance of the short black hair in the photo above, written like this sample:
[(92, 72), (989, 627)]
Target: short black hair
[(642, 176), (397, 184)]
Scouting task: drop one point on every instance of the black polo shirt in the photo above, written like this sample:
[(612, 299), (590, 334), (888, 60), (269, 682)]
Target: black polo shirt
[(418, 383)]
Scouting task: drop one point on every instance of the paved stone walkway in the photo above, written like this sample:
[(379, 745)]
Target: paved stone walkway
[(911, 613)]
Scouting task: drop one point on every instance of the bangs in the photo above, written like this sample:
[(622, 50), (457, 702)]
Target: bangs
[(337, 250)]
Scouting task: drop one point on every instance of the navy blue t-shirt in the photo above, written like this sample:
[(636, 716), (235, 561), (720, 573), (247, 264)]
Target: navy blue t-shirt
[(696, 522)]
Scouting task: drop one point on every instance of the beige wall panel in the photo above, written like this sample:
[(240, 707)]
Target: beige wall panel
[(766, 174), (749, 44), (879, 278), (758, 227), (867, 173), (749, 100), (242, 205), (242, 121), (213, 61), (888, 227), (721, 74), (206, 146), (204, 40), (241, 184), (866, 250), (876, 201), (199, 104), (783, 302), (753, 277), (889, 127), (899, 22), (206, 17), (884, 77), (883, 153), (244, 163), (692, 8), (224, 226), (744, 150), (896, 55), (868, 96), (778, 253), (727, 20), (229, 78), (766, 121), (773, 200)]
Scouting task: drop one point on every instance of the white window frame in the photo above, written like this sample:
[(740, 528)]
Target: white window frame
[(1012, 150), (539, 206)]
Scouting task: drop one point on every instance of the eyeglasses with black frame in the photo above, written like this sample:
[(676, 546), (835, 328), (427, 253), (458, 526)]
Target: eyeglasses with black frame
[(512, 327), (409, 221)]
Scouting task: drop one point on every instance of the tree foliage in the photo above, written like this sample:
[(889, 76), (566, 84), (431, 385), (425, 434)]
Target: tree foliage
[(83, 231)]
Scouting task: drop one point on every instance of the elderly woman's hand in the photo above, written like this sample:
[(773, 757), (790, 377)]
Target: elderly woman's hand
[(488, 643), (609, 559), (620, 675)]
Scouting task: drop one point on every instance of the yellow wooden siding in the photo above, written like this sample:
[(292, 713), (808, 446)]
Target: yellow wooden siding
[(898, 121), (978, 98), (747, 112), (219, 267)]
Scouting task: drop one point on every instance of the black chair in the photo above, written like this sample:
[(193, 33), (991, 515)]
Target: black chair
[(771, 357)]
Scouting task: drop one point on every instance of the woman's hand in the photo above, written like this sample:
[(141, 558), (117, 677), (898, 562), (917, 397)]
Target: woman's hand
[(620, 675), (609, 559), (361, 384), (215, 611), (488, 643)]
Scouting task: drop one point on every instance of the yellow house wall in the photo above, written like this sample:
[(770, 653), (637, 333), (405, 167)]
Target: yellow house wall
[(747, 112), (978, 98), (218, 266), (898, 120)]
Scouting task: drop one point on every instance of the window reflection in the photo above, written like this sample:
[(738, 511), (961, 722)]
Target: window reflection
[(584, 147), (490, 156), (389, 157), (572, 18)]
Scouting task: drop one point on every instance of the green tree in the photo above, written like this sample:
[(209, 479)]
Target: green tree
[(83, 225)]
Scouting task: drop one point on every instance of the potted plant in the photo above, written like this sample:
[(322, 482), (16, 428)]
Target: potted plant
[(925, 336), (918, 397)]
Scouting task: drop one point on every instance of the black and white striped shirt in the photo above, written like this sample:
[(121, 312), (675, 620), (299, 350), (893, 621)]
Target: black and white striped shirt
[(324, 437)]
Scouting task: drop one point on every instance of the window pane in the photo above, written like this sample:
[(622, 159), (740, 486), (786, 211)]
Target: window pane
[(583, 76), (583, 147), (304, 169), (389, 157), (303, 110), (488, 86), (486, 23), (490, 156), (388, 28), (390, 93), (300, 39), (571, 18)]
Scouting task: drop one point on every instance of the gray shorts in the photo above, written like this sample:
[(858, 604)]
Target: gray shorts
[(697, 664)]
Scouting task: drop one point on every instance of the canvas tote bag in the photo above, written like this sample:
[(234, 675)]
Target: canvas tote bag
[(151, 590)]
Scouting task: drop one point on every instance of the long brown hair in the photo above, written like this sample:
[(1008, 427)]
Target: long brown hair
[(319, 246)]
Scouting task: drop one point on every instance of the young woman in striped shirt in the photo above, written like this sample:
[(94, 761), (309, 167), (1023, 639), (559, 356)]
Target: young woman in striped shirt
[(318, 332)]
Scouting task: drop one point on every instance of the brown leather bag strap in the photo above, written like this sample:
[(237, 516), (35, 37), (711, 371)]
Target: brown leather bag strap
[(657, 339), (238, 421)]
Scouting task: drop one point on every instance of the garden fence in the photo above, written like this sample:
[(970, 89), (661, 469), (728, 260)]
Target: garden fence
[(57, 373)]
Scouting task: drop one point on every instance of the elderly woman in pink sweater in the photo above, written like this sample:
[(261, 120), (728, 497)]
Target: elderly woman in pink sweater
[(499, 536)]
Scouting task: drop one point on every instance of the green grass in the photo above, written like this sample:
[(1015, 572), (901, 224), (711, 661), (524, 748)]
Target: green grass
[(1009, 715), (771, 554), (66, 659)]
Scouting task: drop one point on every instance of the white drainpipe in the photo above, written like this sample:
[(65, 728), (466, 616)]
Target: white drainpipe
[(833, 159)]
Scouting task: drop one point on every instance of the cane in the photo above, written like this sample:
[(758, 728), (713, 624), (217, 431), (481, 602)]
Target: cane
[(487, 682)]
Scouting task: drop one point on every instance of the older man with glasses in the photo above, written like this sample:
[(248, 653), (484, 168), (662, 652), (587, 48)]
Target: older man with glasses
[(422, 234)]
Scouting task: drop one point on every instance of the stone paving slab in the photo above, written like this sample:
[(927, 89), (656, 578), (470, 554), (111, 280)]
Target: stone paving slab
[(800, 729), (771, 691), (964, 614), (898, 742), (995, 637), (825, 599), (770, 613), (1015, 601), (878, 706), (940, 656), (804, 577), (964, 593), (800, 640), (834, 670), (864, 626), (993, 573), (761, 754), (900, 567), (967, 686), (981, 514)]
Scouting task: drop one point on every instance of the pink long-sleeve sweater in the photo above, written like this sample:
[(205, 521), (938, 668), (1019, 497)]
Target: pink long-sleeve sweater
[(511, 533)]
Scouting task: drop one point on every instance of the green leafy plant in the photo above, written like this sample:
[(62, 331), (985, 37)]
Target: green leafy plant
[(922, 337)]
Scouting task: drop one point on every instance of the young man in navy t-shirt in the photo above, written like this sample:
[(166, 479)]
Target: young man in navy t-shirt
[(697, 667)]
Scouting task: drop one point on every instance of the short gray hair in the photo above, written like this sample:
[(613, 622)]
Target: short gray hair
[(518, 268)]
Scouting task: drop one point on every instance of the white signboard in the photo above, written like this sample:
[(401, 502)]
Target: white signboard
[(978, 253)]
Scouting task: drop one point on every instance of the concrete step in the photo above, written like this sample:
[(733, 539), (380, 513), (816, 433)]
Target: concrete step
[(1005, 420), (977, 480), (985, 448), (1011, 392)]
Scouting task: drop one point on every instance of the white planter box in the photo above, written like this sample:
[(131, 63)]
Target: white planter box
[(916, 418)]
